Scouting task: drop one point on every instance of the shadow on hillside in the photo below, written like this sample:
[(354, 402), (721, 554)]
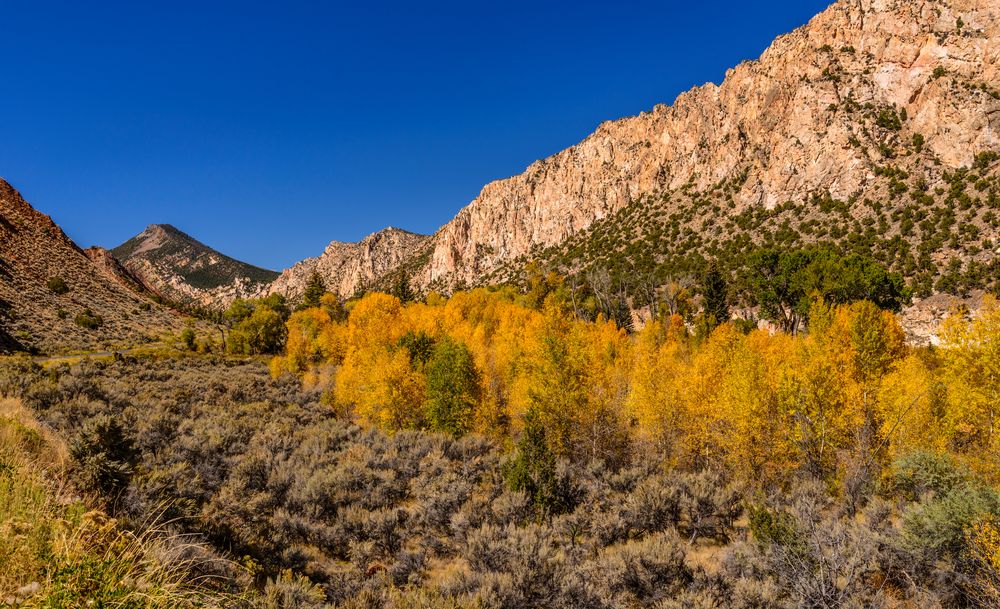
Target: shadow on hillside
[(8, 344), (7, 225)]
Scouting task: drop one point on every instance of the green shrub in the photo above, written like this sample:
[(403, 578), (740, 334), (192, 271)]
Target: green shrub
[(889, 119), (188, 339), (102, 455), (57, 285), (936, 529), (89, 320), (771, 526), (985, 159)]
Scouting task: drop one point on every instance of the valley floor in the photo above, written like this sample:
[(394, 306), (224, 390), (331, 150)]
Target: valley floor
[(230, 488)]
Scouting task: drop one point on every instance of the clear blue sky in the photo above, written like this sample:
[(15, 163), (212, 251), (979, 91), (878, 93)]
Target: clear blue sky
[(268, 129)]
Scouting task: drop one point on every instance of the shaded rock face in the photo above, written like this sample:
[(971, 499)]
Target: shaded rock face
[(347, 268), (36, 257), (181, 269), (775, 125)]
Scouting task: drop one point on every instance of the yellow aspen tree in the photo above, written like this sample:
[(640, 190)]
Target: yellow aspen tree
[(971, 356)]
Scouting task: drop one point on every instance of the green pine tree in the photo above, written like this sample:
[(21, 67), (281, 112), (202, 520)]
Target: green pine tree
[(314, 291)]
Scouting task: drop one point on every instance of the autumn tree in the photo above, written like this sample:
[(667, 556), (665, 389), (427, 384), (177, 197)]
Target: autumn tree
[(971, 358)]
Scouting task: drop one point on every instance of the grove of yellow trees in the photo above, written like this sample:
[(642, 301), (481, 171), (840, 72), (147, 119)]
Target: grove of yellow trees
[(839, 401)]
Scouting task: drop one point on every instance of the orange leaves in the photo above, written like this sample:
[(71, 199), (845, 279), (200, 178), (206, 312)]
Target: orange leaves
[(763, 405), (971, 357), (383, 387)]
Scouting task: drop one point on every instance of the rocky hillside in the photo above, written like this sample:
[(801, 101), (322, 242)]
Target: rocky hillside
[(53, 298), (875, 124), (347, 268), (179, 268)]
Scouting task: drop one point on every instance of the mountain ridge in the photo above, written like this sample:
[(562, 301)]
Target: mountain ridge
[(348, 267), (872, 128)]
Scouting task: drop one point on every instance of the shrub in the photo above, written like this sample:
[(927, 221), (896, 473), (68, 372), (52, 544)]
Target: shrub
[(985, 159), (57, 285), (918, 473), (889, 119), (87, 319), (102, 455), (188, 339), (290, 591), (937, 528), (643, 571)]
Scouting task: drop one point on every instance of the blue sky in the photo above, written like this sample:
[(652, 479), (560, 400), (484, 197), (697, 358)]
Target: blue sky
[(267, 130)]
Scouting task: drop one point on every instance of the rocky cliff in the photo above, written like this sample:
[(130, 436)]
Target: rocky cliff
[(106, 262), (873, 128), (823, 110), (349, 267)]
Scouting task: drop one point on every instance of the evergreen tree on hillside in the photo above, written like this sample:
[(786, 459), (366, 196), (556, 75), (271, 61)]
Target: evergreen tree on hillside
[(314, 291), (715, 294), (452, 387), (402, 290)]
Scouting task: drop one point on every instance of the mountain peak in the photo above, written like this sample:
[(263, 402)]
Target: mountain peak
[(177, 266)]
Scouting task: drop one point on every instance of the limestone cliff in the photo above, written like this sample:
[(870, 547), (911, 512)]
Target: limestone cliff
[(349, 267), (783, 127)]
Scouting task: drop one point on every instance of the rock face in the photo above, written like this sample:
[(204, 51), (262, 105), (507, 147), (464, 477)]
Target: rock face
[(781, 126), (181, 269), (349, 267), (106, 262), (46, 282)]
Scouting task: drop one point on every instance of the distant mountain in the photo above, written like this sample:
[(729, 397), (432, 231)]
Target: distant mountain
[(347, 268), (54, 298), (179, 268)]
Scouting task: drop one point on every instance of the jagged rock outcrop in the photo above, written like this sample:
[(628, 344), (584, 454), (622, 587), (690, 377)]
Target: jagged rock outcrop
[(53, 298), (181, 269), (349, 267), (784, 126)]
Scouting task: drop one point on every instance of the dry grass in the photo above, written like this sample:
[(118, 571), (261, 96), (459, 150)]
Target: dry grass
[(56, 552)]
